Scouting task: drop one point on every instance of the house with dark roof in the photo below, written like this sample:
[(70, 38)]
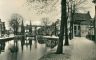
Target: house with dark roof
[(81, 23)]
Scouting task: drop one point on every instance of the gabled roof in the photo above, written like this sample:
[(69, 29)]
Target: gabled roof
[(82, 16)]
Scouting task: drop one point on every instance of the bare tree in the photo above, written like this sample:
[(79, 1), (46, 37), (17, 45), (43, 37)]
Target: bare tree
[(15, 22), (79, 5), (41, 6), (45, 21)]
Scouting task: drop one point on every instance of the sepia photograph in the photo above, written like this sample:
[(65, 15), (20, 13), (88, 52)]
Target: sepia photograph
[(47, 29)]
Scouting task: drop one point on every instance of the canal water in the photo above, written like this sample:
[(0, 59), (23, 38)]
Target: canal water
[(17, 50)]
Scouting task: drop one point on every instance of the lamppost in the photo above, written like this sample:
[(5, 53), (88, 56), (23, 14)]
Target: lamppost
[(94, 1)]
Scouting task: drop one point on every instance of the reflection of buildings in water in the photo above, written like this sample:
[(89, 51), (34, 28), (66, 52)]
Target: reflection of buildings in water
[(14, 48), (2, 46), (30, 43), (22, 44), (28, 53), (27, 43), (35, 43), (15, 42), (12, 56)]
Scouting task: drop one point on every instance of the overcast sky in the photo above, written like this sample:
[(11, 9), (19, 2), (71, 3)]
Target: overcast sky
[(32, 12)]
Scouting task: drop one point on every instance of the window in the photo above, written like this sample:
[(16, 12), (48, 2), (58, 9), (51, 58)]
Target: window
[(74, 27), (78, 27)]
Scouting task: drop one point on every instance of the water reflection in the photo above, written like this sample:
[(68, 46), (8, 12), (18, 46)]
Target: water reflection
[(14, 47), (12, 56), (23, 49), (22, 43), (11, 50), (2, 46), (26, 42), (30, 43)]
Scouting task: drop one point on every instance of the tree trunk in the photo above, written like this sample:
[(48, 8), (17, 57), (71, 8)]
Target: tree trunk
[(70, 34), (95, 25), (61, 36), (72, 23), (66, 33), (55, 30), (72, 29)]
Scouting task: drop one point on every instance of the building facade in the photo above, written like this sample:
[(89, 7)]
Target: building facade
[(2, 28), (81, 24)]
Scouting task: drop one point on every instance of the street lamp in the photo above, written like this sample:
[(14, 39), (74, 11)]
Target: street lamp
[(94, 1)]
